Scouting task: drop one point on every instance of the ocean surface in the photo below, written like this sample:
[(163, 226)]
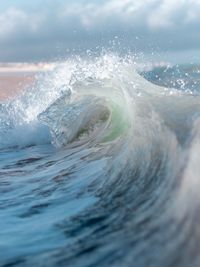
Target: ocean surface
[(100, 166)]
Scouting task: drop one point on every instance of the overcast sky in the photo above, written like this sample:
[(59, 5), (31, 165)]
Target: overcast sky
[(42, 29)]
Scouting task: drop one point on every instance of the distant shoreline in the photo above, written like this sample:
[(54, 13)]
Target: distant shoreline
[(16, 77), (11, 84), (25, 67)]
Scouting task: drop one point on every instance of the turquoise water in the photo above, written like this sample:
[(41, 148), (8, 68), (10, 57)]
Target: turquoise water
[(99, 166)]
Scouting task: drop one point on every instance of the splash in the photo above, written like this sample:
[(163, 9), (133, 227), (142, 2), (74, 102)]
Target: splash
[(109, 166)]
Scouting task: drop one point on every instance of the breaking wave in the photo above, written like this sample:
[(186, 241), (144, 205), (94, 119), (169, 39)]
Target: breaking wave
[(109, 164)]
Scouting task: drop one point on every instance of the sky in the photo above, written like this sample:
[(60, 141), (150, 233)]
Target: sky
[(45, 29)]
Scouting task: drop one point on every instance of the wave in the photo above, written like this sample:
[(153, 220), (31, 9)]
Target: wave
[(149, 138)]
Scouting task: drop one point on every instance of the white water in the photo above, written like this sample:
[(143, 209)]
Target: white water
[(107, 162)]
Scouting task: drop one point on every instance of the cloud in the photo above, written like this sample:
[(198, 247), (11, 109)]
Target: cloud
[(126, 13), (165, 23), (170, 14), (153, 14), (15, 22)]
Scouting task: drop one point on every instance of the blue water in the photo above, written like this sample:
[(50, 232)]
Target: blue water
[(99, 166)]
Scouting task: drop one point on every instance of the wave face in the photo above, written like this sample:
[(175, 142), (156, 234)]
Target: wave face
[(100, 167)]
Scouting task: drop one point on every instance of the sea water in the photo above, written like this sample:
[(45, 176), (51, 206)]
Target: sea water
[(100, 166)]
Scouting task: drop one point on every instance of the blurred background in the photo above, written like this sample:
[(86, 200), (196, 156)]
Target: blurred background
[(46, 30)]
